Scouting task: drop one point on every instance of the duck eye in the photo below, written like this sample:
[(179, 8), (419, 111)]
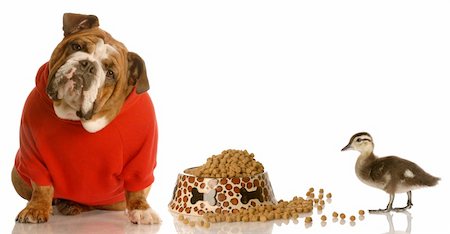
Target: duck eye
[(110, 74), (76, 46)]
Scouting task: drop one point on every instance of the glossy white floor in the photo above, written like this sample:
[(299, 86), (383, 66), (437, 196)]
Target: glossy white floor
[(427, 216), (288, 80)]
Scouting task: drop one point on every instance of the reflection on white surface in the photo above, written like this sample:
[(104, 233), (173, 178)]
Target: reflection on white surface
[(391, 223), (110, 222)]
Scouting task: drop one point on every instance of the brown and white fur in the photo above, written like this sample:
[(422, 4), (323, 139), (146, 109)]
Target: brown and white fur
[(91, 74), (390, 174)]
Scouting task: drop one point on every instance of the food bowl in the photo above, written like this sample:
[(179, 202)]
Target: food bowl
[(196, 196)]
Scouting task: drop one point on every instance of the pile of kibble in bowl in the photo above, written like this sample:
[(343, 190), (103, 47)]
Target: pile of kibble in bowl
[(230, 163), (239, 163)]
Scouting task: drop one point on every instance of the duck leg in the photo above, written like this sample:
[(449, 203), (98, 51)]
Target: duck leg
[(408, 204), (388, 208)]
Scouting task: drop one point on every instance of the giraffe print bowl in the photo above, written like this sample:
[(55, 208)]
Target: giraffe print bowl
[(198, 195)]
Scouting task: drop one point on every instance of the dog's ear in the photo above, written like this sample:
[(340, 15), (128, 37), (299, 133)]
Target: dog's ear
[(137, 73), (73, 23)]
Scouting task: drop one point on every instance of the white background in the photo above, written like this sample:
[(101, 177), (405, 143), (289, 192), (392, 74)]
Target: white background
[(290, 81)]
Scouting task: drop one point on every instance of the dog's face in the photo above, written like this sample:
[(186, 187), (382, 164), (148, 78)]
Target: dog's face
[(91, 73)]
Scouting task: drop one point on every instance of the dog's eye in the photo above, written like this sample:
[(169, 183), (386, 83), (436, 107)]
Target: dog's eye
[(110, 74), (76, 46), (358, 140)]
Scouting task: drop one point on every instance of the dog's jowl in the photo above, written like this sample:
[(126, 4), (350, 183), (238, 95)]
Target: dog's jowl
[(88, 135)]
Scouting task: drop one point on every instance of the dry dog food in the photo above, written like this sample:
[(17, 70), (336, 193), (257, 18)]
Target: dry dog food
[(323, 218), (342, 215), (281, 210), (335, 214), (308, 219), (230, 163), (352, 218), (329, 195), (361, 212)]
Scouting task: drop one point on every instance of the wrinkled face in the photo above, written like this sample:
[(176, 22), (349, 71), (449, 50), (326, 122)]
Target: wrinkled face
[(89, 68), (361, 142), (91, 75)]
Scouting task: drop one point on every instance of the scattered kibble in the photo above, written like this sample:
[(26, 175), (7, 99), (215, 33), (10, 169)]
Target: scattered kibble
[(342, 216), (311, 189), (320, 195), (361, 212), (186, 221), (322, 202), (352, 218), (281, 210), (180, 217), (335, 214), (308, 219), (323, 218), (321, 190), (230, 163), (329, 195)]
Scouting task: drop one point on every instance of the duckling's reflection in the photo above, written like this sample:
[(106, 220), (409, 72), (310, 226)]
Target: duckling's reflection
[(391, 223)]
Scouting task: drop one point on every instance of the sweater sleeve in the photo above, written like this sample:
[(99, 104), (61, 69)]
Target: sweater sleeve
[(138, 170), (29, 162)]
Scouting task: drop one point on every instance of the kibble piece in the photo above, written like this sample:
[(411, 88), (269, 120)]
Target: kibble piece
[(321, 190), (308, 219), (262, 218), (320, 195), (319, 207), (311, 189), (180, 217), (206, 225), (352, 218), (335, 214), (329, 195), (361, 212), (186, 221), (323, 218), (322, 202), (342, 215)]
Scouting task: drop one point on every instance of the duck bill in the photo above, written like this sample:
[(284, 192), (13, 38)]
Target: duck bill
[(347, 147)]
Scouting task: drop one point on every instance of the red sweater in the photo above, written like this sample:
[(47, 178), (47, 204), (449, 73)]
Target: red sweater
[(89, 168)]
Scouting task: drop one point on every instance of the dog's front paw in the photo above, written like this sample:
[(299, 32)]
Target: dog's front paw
[(147, 216), (34, 215)]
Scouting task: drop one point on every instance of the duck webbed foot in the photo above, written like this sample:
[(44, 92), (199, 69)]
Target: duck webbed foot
[(388, 208), (381, 211)]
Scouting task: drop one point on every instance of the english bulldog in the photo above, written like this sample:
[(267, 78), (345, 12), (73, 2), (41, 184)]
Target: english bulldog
[(88, 134)]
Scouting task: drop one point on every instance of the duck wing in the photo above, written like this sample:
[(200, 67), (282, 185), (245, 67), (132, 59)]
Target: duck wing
[(400, 169)]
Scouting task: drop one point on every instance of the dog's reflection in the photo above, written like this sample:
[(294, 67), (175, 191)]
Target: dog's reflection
[(108, 222), (391, 223)]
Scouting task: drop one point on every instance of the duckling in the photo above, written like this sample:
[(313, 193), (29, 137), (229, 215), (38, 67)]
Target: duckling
[(391, 174)]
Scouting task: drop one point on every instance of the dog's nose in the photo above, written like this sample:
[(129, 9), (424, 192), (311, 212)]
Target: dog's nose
[(87, 66)]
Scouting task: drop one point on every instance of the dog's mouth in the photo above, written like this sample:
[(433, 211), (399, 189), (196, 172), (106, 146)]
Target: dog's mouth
[(76, 86)]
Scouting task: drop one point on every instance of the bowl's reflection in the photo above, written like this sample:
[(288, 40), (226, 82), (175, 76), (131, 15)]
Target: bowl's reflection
[(224, 227)]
